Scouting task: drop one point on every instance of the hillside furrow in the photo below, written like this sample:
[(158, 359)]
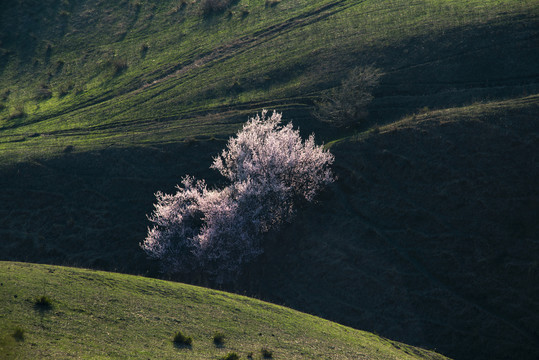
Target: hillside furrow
[(247, 42)]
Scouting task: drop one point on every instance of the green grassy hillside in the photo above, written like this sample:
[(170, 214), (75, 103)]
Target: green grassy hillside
[(102, 315), (87, 75)]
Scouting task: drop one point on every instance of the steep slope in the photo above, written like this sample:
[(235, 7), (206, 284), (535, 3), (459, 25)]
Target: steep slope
[(91, 74), (433, 222), (106, 315)]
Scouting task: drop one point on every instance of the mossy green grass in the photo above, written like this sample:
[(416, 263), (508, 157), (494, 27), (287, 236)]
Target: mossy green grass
[(100, 315), (121, 73)]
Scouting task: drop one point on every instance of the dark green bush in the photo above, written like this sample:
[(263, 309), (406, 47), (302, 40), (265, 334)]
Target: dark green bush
[(218, 338), (182, 340), (18, 334), (272, 3), (210, 7), (144, 49), (43, 303), (118, 65), (230, 356), (266, 354)]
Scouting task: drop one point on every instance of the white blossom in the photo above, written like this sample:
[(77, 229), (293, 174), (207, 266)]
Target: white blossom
[(270, 170)]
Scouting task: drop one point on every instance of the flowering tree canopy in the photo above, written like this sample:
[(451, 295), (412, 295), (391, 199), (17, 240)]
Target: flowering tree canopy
[(270, 170)]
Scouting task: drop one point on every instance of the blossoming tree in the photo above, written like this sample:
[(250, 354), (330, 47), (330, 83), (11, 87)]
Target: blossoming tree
[(216, 231)]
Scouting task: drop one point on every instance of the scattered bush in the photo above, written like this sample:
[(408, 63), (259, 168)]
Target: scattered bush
[(230, 356), (210, 7), (78, 89), (266, 354), (182, 340), (64, 89), (4, 94), (272, 3), (59, 65), (244, 11), (271, 171), (144, 49), (43, 303), (17, 112), (48, 50), (18, 334), (218, 339), (118, 65), (347, 104)]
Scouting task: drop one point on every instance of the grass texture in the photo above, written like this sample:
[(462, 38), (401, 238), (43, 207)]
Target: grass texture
[(107, 315)]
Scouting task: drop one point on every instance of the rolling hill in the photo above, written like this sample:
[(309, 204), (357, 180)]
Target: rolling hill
[(429, 236), (98, 315)]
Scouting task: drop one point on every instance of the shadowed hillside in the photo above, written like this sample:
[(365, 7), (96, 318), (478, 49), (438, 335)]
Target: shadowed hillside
[(429, 236), (433, 222)]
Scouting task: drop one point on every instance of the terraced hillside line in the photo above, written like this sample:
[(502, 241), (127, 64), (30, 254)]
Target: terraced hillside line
[(220, 53), (244, 43)]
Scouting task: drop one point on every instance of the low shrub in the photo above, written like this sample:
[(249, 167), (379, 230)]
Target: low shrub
[(144, 49), (218, 339), (18, 334), (230, 356), (182, 340), (272, 3), (43, 303), (266, 354), (210, 7), (118, 65)]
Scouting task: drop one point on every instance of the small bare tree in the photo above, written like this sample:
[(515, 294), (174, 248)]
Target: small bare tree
[(346, 105)]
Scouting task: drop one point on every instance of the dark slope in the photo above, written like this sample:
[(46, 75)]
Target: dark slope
[(429, 236)]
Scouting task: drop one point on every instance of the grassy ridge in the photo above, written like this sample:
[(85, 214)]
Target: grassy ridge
[(151, 73), (106, 315)]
